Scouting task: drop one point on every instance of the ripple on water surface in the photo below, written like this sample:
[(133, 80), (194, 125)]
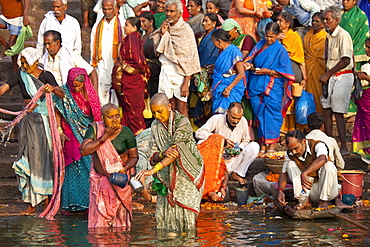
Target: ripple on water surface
[(214, 229)]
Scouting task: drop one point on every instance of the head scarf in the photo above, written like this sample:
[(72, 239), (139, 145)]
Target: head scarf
[(30, 54), (230, 24), (90, 91)]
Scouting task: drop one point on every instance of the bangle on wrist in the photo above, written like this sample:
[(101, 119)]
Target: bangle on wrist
[(227, 90), (60, 130), (101, 141), (158, 167), (160, 155), (281, 189)]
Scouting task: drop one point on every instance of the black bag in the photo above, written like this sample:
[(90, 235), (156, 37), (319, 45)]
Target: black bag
[(297, 71), (357, 91)]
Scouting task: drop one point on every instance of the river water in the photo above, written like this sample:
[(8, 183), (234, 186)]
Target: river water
[(245, 228)]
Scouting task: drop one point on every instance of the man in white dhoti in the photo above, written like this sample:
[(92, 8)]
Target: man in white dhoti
[(106, 36), (234, 127), (311, 170), (176, 43), (59, 60), (68, 26)]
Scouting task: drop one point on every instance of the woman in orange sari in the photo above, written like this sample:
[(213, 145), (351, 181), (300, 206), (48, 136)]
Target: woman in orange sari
[(314, 45), (130, 76), (247, 13)]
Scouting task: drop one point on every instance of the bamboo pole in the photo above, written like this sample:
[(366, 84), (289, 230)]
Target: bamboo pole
[(350, 221)]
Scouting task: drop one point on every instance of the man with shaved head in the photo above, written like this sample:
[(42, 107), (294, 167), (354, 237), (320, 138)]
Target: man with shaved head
[(178, 166), (115, 151), (106, 36), (233, 128)]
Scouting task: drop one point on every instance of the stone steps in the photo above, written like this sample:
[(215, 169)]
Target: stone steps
[(9, 189)]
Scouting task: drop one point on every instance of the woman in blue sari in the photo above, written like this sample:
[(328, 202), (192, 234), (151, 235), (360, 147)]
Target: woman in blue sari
[(269, 83), (228, 84), (208, 52)]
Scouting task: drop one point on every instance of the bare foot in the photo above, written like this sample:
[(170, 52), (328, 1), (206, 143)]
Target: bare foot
[(29, 210), (136, 205), (46, 202), (340, 204), (305, 205), (323, 204), (236, 177)]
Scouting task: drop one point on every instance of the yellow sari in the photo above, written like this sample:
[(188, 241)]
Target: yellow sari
[(314, 46)]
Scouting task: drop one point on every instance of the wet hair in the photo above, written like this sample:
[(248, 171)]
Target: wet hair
[(178, 4), (149, 16), (159, 99), (315, 120), (56, 35), (215, 3), (367, 40), (297, 134), (221, 34), (134, 21), (319, 15), (288, 18), (80, 78), (336, 12), (213, 17), (237, 105), (272, 27)]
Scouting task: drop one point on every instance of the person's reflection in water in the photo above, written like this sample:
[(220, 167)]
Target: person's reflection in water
[(112, 236), (170, 238)]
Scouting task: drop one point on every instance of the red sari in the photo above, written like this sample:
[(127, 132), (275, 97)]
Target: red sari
[(129, 81)]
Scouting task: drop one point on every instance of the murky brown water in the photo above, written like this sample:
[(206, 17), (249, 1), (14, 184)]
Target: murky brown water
[(254, 228)]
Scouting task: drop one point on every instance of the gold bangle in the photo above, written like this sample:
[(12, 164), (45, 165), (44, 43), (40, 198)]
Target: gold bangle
[(161, 155), (227, 90), (158, 167), (60, 130)]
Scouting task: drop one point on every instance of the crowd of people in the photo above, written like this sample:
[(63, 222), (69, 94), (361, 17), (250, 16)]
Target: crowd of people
[(164, 75)]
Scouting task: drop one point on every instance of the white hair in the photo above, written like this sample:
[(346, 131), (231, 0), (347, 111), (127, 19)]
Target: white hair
[(336, 12), (64, 2), (178, 3)]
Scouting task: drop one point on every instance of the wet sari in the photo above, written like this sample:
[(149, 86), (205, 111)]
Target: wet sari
[(130, 83), (184, 178), (78, 111), (223, 75), (269, 96)]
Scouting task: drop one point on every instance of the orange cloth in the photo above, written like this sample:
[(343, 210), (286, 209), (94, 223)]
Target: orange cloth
[(314, 46), (294, 46), (248, 23), (214, 166), (11, 8), (96, 57)]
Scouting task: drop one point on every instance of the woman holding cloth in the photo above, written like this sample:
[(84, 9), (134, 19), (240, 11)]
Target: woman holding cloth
[(77, 110), (34, 165), (269, 81), (228, 85)]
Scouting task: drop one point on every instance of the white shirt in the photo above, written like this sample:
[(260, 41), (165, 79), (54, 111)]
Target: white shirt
[(53, 65), (326, 3), (69, 29), (217, 124)]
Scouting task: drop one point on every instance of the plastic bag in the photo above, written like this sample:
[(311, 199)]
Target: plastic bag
[(357, 91), (305, 105), (261, 27)]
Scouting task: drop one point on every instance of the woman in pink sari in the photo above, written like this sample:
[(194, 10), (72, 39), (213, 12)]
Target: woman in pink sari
[(76, 111), (114, 150)]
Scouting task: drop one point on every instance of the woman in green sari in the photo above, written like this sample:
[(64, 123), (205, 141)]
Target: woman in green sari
[(178, 166)]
